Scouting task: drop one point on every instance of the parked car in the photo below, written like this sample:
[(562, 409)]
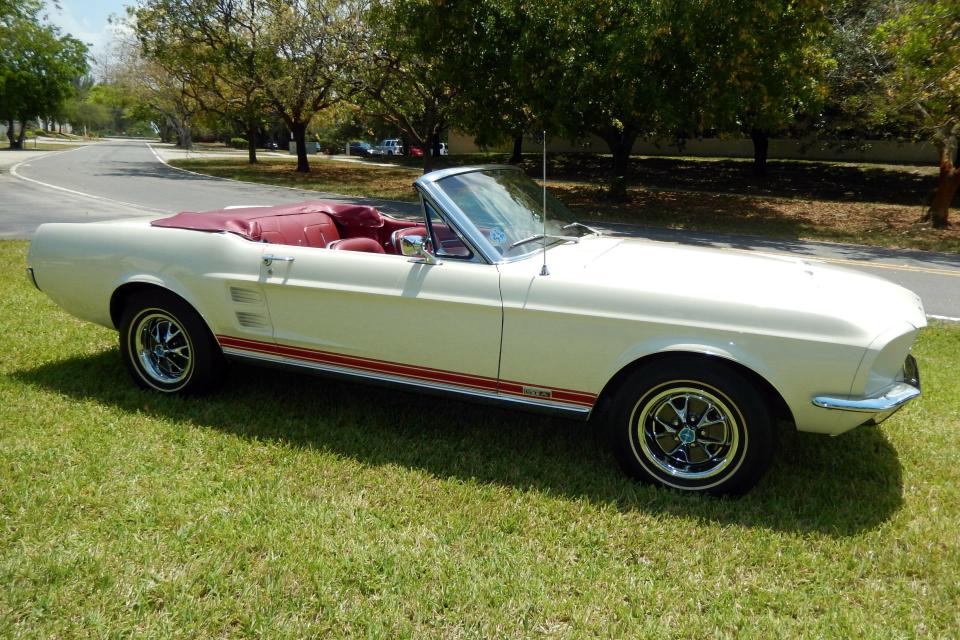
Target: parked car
[(417, 152), (363, 149), (271, 146), (389, 147), (690, 356)]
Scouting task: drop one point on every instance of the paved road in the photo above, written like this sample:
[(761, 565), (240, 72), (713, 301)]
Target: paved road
[(125, 178)]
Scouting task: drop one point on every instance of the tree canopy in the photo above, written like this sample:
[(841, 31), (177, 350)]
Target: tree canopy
[(37, 66), (923, 40)]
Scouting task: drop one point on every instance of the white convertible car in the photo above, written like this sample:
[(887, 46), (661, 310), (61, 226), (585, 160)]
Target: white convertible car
[(690, 355)]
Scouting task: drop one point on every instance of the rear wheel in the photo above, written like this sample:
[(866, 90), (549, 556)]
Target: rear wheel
[(167, 347), (691, 424)]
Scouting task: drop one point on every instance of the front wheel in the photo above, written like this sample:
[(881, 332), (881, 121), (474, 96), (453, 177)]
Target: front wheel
[(167, 347), (691, 424)]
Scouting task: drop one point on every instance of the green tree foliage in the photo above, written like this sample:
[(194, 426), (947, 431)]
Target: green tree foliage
[(621, 70), (82, 112), (615, 75), (210, 47), (855, 106), (923, 40), (408, 74), (752, 65), (304, 58), (37, 66), (236, 56)]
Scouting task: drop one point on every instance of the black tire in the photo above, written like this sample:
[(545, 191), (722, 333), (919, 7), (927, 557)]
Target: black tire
[(692, 424), (166, 345)]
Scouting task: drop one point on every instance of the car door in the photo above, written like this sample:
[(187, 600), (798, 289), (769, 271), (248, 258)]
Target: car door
[(385, 316)]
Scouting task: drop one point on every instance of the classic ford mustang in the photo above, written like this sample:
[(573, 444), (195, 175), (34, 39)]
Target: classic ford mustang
[(690, 356)]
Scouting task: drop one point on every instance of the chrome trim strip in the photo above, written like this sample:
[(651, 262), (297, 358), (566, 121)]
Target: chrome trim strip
[(33, 278), (906, 389), (900, 394), (556, 408)]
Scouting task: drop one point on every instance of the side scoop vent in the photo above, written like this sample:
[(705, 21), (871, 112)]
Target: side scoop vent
[(252, 320), (245, 296)]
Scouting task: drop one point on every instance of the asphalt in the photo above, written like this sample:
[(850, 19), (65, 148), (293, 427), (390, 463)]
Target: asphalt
[(126, 178)]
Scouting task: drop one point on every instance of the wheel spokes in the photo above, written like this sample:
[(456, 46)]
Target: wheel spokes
[(688, 432), (163, 349)]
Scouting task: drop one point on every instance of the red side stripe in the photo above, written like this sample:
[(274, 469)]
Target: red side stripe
[(408, 371)]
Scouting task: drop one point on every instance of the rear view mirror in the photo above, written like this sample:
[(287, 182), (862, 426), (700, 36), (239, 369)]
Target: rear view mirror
[(415, 247)]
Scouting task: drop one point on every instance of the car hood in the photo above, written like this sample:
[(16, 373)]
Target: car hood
[(729, 287)]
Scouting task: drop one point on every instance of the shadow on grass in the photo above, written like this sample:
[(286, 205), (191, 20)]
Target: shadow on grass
[(833, 486), (845, 182)]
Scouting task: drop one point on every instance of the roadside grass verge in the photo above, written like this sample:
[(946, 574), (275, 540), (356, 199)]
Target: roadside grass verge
[(326, 176), (291, 507), (796, 213), (28, 145)]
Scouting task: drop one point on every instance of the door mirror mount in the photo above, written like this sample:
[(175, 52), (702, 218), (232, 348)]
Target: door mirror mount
[(416, 247)]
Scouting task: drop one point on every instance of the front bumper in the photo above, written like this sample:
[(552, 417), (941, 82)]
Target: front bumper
[(880, 406)]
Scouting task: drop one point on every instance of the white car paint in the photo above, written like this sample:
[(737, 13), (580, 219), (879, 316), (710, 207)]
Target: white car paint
[(503, 330)]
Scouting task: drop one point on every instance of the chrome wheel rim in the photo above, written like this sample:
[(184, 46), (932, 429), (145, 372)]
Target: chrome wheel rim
[(687, 432), (163, 348)]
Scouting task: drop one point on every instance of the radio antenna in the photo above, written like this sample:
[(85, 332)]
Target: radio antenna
[(543, 270)]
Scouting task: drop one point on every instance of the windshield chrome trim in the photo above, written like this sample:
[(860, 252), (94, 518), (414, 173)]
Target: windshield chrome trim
[(429, 190), (428, 187), (475, 256)]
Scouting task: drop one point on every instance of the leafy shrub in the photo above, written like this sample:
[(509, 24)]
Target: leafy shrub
[(238, 143)]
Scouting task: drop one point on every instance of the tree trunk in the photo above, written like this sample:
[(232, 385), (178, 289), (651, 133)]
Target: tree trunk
[(23, 134), (185, 137), (11, 133), (435, 145), (427, 160), (939, 210), (620, 144), (252, 131), (761, 144), (517, 156), (300, 137)]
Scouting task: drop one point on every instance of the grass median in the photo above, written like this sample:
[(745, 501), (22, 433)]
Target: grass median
[(798, 201), (290, 507)]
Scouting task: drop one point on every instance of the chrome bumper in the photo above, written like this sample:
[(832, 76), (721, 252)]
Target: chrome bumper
[(884, 405)]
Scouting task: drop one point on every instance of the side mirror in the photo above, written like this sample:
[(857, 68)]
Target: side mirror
[(415, 247)]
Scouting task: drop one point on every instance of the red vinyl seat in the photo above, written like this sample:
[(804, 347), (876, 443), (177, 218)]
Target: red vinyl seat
[(304, 230), (368, 245)]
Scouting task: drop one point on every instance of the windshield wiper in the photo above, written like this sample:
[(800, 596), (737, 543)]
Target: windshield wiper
[(540, 236), (580, 225)]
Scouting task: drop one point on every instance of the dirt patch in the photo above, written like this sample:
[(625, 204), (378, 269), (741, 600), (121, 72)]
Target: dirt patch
[(859, 222)]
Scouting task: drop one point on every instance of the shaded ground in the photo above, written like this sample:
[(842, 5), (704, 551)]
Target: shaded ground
[(843, 181), (858, 222), (867, 204)]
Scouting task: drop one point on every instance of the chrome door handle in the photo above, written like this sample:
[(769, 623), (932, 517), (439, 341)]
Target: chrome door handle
[(270, 259)]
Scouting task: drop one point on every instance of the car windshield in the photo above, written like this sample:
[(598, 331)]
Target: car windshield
[(507, 207)]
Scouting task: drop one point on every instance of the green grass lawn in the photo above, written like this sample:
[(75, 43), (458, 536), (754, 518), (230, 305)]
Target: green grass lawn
[(299, 507)]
